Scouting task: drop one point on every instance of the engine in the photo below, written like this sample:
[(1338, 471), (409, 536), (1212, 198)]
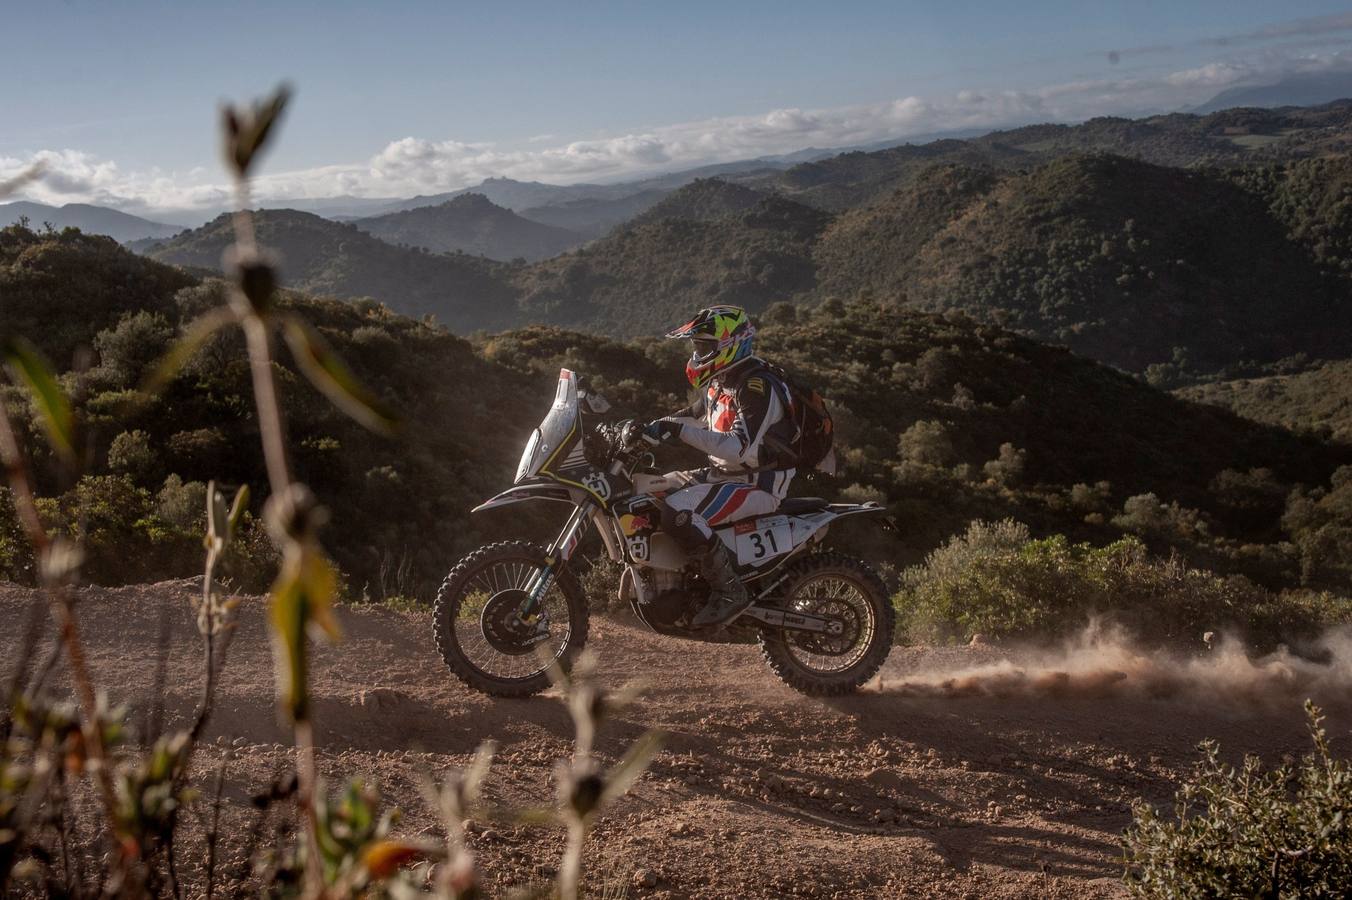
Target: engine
[(662, 598)]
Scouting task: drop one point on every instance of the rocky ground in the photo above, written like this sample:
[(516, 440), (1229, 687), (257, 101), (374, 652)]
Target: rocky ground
[(971, 772)]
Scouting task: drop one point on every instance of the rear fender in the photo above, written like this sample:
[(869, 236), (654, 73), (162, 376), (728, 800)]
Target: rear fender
[(523, 492)]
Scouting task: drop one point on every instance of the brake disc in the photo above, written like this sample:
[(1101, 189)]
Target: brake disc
[(505, 630), (840, 640)]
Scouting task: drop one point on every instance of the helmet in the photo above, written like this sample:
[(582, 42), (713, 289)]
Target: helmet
[(721, 336)]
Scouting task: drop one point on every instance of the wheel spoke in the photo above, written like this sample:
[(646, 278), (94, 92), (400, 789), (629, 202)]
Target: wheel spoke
[(842, 600), (497, 578)]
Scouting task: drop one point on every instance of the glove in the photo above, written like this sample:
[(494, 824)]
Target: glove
[(662, 431)]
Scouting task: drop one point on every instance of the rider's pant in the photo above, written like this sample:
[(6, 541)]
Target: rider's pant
[(700, 500)]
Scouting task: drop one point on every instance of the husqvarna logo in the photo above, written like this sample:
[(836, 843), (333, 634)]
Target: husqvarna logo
[(597, 484)]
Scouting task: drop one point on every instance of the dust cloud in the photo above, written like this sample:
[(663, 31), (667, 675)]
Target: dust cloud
[(1101, 662)]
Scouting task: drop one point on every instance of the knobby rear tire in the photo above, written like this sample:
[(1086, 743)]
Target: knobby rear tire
[(452, 594), (779, 654)]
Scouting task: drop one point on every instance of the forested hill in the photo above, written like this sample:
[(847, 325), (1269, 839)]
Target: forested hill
[(463, 292), (1217, 266), (473, 224), (1230, 138), (944, 418)]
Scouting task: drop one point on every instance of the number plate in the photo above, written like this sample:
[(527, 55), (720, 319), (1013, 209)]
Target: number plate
[(770, 537)]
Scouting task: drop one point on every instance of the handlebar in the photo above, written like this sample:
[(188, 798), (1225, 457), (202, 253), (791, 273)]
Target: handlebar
[(622, 441)]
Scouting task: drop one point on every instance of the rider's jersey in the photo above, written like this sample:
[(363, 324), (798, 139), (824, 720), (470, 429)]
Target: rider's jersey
[(731, 419)]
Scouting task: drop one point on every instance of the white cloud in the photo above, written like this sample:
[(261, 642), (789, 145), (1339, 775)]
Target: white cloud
[(1211, 75), (413, 165)]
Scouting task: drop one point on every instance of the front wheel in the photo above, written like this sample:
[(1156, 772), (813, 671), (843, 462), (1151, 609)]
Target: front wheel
[(479, 629), (850, 592)]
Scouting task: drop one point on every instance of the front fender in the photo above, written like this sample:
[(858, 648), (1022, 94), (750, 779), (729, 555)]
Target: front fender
[(523, 492)]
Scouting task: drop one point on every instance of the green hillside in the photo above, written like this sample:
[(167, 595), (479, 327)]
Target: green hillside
[(66, 286), (473, 224), (1234, 257), (324, 257), (1230, 138), (1318, 399), (703, 200), (1123, 261), (643, 278)]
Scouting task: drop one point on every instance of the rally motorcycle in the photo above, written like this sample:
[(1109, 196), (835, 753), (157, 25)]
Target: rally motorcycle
[(508, 610)]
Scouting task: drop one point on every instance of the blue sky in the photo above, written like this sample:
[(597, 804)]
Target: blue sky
[(401, 98)]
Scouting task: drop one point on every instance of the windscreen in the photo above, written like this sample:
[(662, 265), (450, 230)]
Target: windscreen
[(555, 428)]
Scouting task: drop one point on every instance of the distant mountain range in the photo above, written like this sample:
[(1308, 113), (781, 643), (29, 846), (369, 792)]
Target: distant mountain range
[(841, 179), (471, 223), (120, 226), (1199, 244), (1298, 90)]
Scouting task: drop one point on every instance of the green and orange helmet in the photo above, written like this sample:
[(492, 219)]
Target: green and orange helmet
[(721, 337)]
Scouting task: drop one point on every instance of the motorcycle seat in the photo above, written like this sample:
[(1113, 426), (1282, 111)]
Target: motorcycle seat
[(797, 506)]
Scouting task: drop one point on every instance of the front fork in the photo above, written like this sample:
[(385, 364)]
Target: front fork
[(556, 556)]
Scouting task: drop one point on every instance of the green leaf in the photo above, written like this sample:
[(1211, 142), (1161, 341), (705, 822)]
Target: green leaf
[(302, 602), (197, 334), (327, 372), (247, 131), (27, 366), (218, 525), (237, 509)]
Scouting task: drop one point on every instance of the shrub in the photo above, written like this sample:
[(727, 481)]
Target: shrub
[(927, 443), (127, 350), (16, 556), (1008, 466), (1243, 832), (123, 540), (1091, 498), (181, 503), (1146, 515), (998, 581), (130, 455)]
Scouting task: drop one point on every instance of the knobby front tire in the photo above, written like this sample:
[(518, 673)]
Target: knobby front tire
[(465, 646)]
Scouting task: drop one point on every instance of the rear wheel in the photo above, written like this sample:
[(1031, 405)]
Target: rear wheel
[(480, 633), (849, 592)]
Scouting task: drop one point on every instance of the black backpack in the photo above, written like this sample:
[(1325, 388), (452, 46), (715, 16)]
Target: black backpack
[(804, 440)]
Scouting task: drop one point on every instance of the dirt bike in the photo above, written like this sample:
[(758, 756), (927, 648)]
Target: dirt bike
[(824, 621)]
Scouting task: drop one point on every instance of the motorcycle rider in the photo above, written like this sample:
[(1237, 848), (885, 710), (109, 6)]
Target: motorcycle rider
[(742, 421)]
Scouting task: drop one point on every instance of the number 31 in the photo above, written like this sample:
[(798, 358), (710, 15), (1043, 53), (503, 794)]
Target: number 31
[(760, 544)]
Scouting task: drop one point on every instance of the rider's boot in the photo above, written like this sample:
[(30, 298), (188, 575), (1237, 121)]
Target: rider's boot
[(727, 595)]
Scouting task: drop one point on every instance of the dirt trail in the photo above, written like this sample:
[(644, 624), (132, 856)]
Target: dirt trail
[(759, 793)]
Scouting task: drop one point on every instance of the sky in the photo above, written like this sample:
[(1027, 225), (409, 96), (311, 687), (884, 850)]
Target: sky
[(120, 100)]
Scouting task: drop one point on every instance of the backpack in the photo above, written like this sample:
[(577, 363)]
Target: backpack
[(804, 442)]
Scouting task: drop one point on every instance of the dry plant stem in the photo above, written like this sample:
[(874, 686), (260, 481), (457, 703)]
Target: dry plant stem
[(21, 487), (570, 868), (272, 431), (214, 831), (271, 426)]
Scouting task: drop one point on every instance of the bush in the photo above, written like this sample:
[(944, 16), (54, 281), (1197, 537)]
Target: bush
[(130, 454), (1008, 466), (123, 539), (1242, 832), (182, 504), (997, 581), (926, 443)]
